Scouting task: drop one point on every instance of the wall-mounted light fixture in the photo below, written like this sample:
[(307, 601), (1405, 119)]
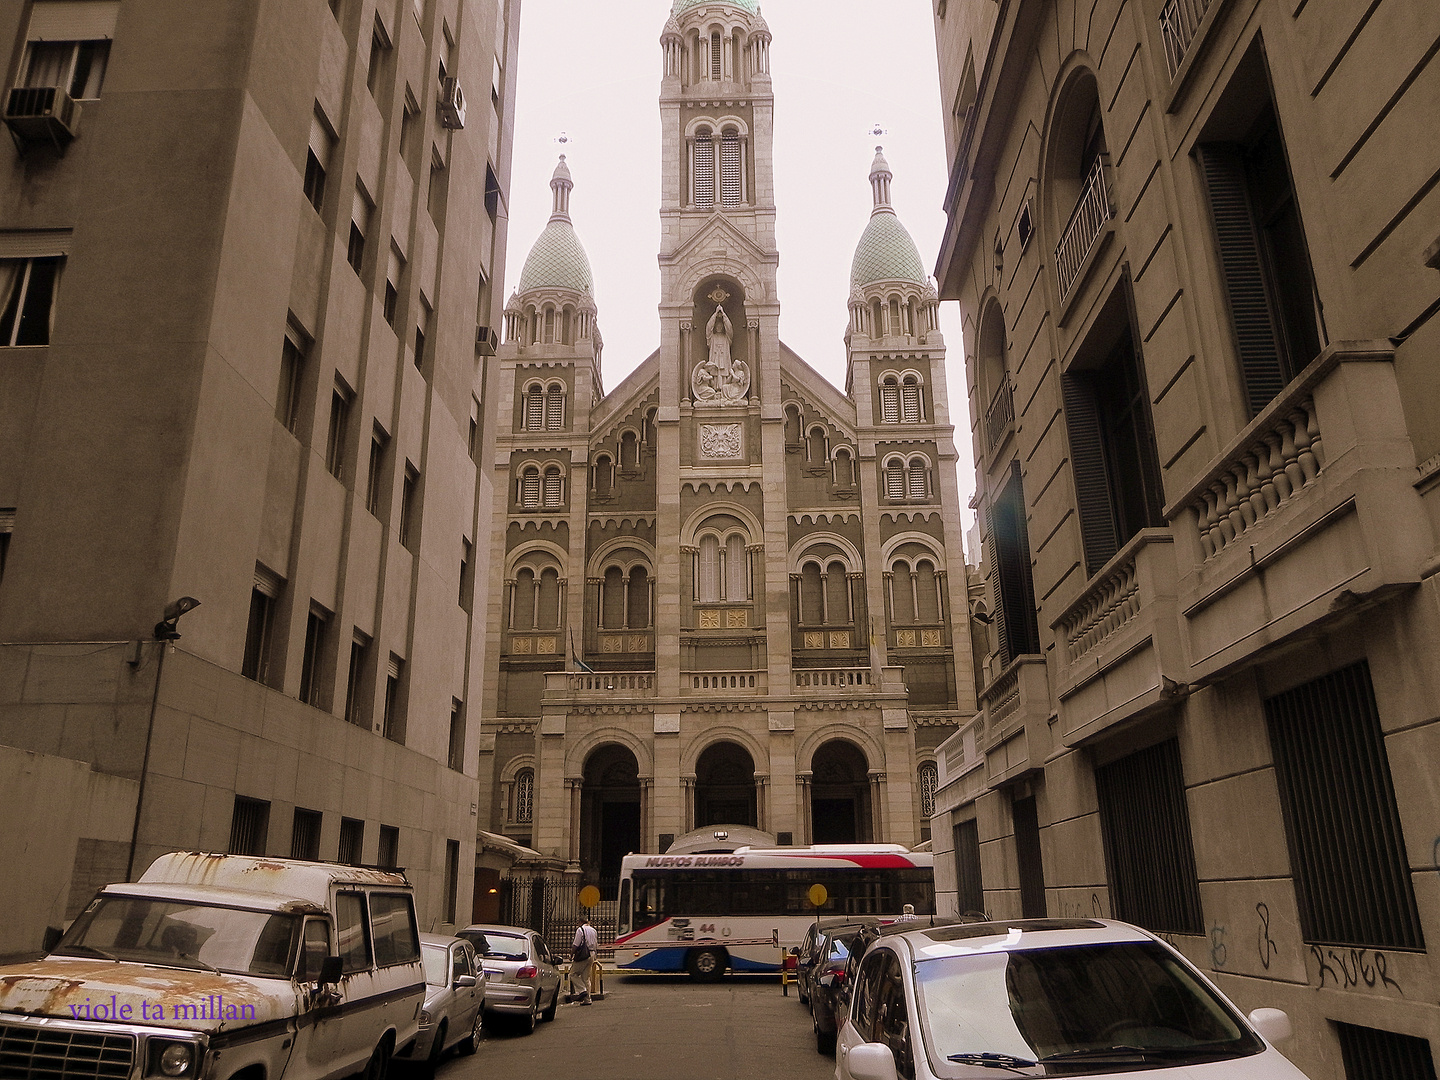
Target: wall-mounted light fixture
[(165, 628)]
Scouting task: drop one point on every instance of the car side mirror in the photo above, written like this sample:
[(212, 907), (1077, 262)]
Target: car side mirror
[(871, 1061), (1273, 1024), (795, 950), (331, 968), (464, 980)]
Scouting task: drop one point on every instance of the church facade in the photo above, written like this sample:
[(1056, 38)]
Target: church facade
[(725, 592)]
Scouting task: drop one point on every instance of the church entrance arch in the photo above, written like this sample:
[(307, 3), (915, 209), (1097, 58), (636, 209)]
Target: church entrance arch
[(609, 814), (840, 794), (725, 786)]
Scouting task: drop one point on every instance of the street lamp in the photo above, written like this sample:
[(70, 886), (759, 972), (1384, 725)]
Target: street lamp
[(165, 628)]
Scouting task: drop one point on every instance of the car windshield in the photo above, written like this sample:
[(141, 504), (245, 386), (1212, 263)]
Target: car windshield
[(1084, 1008), (436, 959), (169, 933), (505, 946)]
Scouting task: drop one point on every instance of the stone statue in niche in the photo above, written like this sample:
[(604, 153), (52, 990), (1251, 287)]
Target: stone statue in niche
[(719, 379)]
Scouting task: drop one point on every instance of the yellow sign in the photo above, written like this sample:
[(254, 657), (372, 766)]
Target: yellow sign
[(589, 896), (818, 895)]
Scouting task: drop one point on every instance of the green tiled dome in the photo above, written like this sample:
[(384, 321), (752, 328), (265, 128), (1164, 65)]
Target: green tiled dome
[(557, 261), (885, 253), (751, 6)]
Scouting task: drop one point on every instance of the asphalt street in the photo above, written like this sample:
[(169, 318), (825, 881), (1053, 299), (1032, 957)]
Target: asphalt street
[(658, 1027)]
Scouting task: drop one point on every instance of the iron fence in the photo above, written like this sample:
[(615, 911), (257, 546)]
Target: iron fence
[(552, 909)]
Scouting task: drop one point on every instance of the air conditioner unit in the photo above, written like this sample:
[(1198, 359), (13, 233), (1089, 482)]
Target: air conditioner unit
[(42, 113), (452, 103), (486, 341)]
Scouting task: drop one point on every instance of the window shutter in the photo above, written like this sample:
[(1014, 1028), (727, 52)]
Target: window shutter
[(910, 400), (553, 489), (997, 598), (737, 584), (267, 581), (1098, 534), (917, 481), (534, 410), (34, 244), (530, 489), (65, 20), (894, 482), (321, 140), (555, 410), (704, 170), (715, 56), (1256, 336), (890, 404), (729, 170), (709, 569)]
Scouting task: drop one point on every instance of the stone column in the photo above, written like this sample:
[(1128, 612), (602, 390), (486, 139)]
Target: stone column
[(762, 790), (574, 785), (877, 804), (646, 825), (686, 329), (688, 822), (802, 783)]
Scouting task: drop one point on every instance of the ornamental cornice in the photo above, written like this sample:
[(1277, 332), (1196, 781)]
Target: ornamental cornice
[(824, 517), (912, 516), (938, 720)]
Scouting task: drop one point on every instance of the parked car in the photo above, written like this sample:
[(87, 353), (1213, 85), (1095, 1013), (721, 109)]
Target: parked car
[(523, 981), (827, 983), (223, 966), (454, 999), (1046, 997)]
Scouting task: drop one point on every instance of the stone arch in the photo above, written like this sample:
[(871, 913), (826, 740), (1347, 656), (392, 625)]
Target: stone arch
[(874, 752), (840, 804), (610, 812), (1076, 107), (585, 745), (799, 552), (727, 733), (725, 789)]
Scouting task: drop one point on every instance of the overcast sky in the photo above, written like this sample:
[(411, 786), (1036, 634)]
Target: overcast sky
[(591, 70)]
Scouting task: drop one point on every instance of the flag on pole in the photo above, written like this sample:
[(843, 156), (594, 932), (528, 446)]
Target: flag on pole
[(575, 657)]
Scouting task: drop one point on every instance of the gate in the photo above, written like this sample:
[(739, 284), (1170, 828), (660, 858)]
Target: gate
[(552, 909)]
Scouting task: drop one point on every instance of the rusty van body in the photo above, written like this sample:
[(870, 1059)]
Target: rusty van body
[(223, 967)]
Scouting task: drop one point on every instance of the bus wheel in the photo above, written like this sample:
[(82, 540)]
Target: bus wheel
[(706, 965)]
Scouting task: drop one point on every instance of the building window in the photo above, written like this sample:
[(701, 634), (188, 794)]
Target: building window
[(357, 710), (917, 480), (409, 507), (529, 488), (912, 410), (375, 479), (555, 409), (532, 409), (493, 195), (1149, 856), (704, 169), (467, 582), (419, 350), (554, 488), (352, 842), (360, 213), (388, 856), (249, 826), (523, 799), (715, 67), (393, 269), (1347, 850), (379, 55), (472, 440), (409, 130), (890, 401), (928, 776), (708, 591), (256, 662), (317, 159), (452, 878), (340, 399), (78, 66), (1025, 817), (457, 736), (1112, 448), (393, 719), (292, 371), (1012, 590), (737, 569), (1372, 1054), (312, 682), (305, 834), (7, 530), (970, 893), (28, 286), (895, 480), (730, 168)]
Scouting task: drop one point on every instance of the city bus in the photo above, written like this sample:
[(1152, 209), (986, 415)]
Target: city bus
[(705, 912)]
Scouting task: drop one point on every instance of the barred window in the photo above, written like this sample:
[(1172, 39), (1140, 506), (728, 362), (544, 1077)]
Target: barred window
[(524, 796), (249, 826), (730, 168), (1372, 1054), (704, 169), (929, 778)]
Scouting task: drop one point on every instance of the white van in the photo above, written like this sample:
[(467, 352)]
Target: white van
[(218, 967)]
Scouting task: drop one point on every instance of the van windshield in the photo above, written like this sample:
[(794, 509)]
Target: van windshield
[(171, 933)]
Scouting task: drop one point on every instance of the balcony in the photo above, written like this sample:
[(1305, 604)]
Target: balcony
[(1016, 706), (1179, 23), (599, 685), (1120, 649), (1310, 510), (755, 682), (1000, 416), (1086, 226)]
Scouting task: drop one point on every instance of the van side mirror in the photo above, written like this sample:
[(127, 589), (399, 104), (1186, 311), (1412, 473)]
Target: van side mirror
[(331, 968)]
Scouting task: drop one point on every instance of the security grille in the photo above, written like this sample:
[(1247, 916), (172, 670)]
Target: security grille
[(1148, 851), (249, 825), (1352, 880), (929, 776), (352, 839), (729, 170), (305, 834), (1371, 1054), (50, 1054)]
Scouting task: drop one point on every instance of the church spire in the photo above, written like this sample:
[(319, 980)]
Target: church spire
[(560, 184), (880, 177)]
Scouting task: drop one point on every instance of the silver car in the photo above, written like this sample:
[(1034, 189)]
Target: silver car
[(524, 982), (454, 999)]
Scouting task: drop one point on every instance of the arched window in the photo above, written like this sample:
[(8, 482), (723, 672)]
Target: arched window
[(895, 480), (547, 614), (911, 411), (637, 599), (709, 584), (737, 578), (522, 600), (792, 424), (629, 451), (927, 592), (902, 595), (896, 327), (877, 319), (554, 487), (532, 325), (917, 488), (602, 477), (928, 777), (533, 407), (730, 168), (715, 68), (844, 471), (815, 448), (567, 326), (890, 401), (704, 168), (837, 594), (528, 495), (811, 595), (549, 325), (523, 801), (555, 408), (612, 599)]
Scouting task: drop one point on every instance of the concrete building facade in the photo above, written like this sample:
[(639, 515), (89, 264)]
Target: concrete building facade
[(722, 593), (1195, 249), (246, 249)]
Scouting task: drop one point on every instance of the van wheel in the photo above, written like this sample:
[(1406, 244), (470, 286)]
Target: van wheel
[(706, 965), (379, 1063), (471, 1042)]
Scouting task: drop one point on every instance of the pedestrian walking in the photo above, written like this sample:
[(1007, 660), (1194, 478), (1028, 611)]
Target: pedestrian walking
[(582, 958), (907, 914)]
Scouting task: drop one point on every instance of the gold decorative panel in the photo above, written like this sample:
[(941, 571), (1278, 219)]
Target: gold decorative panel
[(612, 643), (839, 639), (814, 639), (639, 643), (545, 644), (930, 639), (734, 619), (709, 620), (904, 639), (520, 644)]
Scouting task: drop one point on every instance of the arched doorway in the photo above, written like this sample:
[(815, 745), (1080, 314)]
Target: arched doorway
[(609, 814), (840, 794), (725, 786)]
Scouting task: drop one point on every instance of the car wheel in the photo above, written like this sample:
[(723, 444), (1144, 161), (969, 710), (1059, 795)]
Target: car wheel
[(527, 1022), (705, 965), (801, 994), (549, 1013), (437, 1047), (379, 1064), (471, 1042), (824, 1042)]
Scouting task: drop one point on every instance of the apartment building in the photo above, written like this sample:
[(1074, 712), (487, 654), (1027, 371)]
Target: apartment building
[(247, 252), (1195, 248)]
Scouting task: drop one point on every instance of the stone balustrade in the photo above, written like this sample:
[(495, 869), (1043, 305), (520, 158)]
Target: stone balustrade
[(833, 678), (737, 682), (619, 683)]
